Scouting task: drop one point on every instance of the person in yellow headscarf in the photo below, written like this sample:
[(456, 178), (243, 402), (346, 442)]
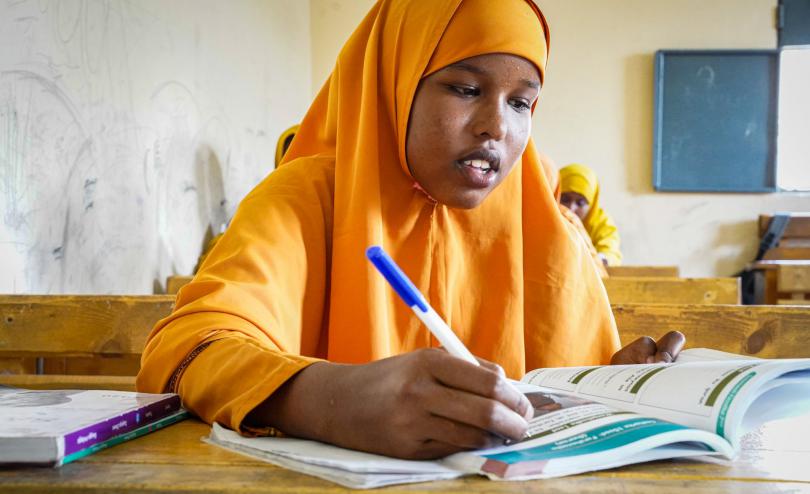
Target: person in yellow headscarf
[(418, 142), (284, 142), (553, 179), (580, 194)]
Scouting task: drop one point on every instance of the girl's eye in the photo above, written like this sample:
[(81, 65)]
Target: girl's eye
[(465, 90), (520, 105)]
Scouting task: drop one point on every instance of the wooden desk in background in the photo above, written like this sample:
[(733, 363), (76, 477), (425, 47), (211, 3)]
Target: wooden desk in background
[(175, 282), (795, 241), (668, 271), (662, 290), (774, 459), (784, 282)]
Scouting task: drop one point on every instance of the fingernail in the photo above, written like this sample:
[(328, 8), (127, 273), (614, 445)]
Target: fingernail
[(650, 359), (528, 410)]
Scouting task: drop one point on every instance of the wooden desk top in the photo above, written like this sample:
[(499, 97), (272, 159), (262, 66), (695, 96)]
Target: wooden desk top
[(775, 458)]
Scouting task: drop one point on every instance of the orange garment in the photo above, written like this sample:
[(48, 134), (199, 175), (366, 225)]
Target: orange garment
[(289, 282)]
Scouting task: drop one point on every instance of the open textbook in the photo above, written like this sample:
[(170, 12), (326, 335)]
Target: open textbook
[(586, 418)]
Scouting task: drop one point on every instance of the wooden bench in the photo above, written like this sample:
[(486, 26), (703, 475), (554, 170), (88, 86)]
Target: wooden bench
[(793, 279), (632, 290), (636, 271), (781, 281), (767, 331), (85, 341), (95, 330), (797, 230), (794, 243), (175, 282)]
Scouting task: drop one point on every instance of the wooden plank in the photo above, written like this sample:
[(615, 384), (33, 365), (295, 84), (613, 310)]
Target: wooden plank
[(767, 331), (797, 227), (176, 282), (118, 365), (18, 365), (787, 253), (793, 278), (659, 271), (120, 383), (78, 325), (632, 290)]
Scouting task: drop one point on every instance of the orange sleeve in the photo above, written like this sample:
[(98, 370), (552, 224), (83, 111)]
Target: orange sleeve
[(239, 330)]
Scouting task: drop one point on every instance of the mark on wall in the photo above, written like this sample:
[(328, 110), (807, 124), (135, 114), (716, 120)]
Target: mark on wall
[(117, 132)]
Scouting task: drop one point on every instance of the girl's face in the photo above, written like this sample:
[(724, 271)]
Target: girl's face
[(469, 124), (576, 202)]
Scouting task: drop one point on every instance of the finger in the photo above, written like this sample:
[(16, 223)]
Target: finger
[(669, 346), (485, 414), (491, 366), (523, 408), (636, 352), (479, 380), (430, 450), (459, 435)]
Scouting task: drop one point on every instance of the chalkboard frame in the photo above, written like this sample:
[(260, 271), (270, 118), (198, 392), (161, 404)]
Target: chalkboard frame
[(674, 176)]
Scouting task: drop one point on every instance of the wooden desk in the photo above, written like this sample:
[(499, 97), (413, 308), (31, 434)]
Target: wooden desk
[(662, 290), (780, 281), (773, 459), (669, 271), (175, 282)]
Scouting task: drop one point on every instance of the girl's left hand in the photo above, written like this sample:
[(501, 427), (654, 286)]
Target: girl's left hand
[(646, 350)]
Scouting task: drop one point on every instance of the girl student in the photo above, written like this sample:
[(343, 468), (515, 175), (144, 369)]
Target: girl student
[(580, 194), (418, 142)]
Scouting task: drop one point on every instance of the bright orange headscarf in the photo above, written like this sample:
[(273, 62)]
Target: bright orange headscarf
[(508, 276), (505, 275)]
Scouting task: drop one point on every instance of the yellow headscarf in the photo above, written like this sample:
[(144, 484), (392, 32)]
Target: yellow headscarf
[(508, 276), (283, 145), (603, 232)]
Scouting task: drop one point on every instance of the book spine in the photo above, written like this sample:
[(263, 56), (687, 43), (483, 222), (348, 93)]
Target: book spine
[(140, 431), (121, 424)]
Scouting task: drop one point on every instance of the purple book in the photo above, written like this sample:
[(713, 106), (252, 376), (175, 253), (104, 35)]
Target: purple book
[(42, 427)]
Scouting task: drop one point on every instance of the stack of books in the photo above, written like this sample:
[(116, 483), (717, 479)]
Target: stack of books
[(55, 427)]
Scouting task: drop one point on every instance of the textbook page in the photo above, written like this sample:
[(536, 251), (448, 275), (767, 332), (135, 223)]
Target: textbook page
[(571, 434), (708, 354), (712, 395)]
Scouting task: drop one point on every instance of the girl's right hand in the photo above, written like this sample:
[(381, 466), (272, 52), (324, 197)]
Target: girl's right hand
[(419, 405)]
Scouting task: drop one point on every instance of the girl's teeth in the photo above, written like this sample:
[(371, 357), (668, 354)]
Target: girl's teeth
[(484, 165)]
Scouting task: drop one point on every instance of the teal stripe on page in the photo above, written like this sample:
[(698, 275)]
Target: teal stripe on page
[(593, 441)]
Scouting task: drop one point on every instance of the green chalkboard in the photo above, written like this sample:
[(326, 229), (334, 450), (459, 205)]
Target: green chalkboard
[(715, 120)]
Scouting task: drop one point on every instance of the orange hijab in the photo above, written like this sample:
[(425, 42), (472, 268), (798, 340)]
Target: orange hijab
[(507, 276), (289, 280)]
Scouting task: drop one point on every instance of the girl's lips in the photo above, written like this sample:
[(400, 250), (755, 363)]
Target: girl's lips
[(476, 178)]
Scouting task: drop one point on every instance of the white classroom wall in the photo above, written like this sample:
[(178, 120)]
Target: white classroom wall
[(127, 129)]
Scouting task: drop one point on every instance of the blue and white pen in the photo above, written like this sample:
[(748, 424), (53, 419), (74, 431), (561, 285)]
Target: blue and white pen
[(413, 299)]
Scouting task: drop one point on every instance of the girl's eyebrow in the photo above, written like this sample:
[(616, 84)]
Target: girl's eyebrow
[(478, 70)]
